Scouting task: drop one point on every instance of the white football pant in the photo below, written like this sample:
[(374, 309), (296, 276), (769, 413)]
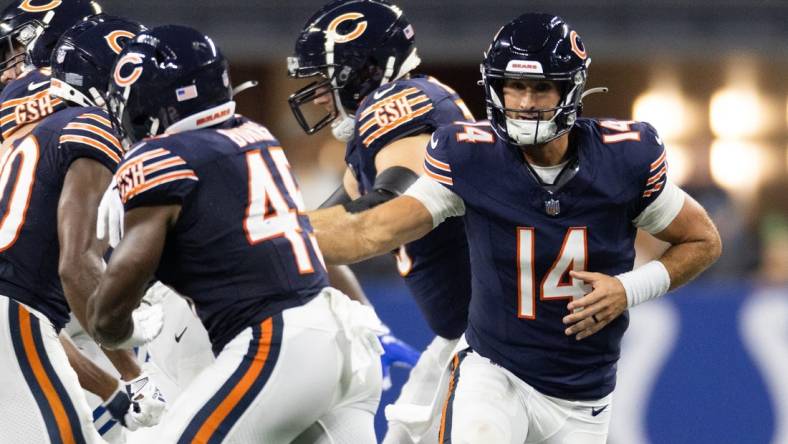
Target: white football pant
[(310, 374), (40, 397)]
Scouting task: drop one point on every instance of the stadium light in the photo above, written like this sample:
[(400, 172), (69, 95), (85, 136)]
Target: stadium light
[(736, 113), (666, 109), (737, 165)]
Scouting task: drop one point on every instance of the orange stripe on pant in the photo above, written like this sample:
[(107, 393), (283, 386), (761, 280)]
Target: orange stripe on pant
[(455, 366), (63, 424), (212, 423)]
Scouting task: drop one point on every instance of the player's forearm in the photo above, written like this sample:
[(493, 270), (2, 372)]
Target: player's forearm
[(695, 244), (111, 305), (687, 260), (91, 377), (338, 235), (346, 238), (79, 275)]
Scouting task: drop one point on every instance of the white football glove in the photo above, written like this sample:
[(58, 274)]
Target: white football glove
[(136, 403), (147, 403), (109, 223), (148, 323)]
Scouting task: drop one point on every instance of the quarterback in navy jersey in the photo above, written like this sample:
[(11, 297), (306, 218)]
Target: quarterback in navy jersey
[(551, 203), (213, 211), (363, 54)]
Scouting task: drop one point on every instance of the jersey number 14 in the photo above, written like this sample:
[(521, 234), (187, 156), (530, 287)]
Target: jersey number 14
[(572, 256)]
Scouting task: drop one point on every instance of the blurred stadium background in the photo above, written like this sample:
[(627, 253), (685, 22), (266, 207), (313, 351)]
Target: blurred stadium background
[(705, 365)]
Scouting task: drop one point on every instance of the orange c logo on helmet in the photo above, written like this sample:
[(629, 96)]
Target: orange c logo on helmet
[(130, 58), (352, 35), (27, 6), (573, 39), (113, 39)]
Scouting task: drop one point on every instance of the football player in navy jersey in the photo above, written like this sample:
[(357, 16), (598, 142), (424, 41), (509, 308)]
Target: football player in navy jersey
[(551, 203), (54, 158), (81, 65), (212, 210), (362, 54)]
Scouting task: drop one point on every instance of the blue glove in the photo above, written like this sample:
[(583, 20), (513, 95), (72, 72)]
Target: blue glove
[(396, 353)]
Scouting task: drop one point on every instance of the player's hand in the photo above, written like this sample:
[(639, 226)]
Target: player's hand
[(592, 312), (395, 353), (109, 223), (147, 403), (136, 403), (148, 322)]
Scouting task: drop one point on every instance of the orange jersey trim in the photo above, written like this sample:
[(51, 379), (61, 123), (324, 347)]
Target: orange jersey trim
[(92, 142)]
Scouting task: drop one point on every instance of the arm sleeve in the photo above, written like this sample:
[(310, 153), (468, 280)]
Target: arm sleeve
[(154, 176), (661, 212)]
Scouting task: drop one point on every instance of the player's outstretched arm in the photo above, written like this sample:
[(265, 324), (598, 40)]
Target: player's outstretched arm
[(346, 238), (130, 269)]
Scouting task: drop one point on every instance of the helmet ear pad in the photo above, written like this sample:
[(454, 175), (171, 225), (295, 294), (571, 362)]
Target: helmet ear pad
[(535, 46)]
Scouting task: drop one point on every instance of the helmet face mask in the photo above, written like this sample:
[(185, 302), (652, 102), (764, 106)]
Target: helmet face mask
[(355, 46), (535, 47)]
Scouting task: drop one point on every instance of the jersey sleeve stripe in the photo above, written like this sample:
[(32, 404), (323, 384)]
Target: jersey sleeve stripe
[(412, 102), (91, 142), (418, 99), (380, 132), (12, 103), (370, 123), (97, 118), (658, 162), (166, 178), (435, 163), (9, 118), (654, 189), (396, 96), (659, 175), (142, 158), (108, 137), (162, 165), (439, 177)]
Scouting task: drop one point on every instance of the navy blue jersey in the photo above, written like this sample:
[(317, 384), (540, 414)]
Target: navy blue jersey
[(26, 100), (525, 240), (436, 268), (33, 172), (240, 248)]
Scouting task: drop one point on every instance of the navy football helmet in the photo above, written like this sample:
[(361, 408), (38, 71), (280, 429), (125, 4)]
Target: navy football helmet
[(83, 57), (535, 46), (353, 47), (37, 27), (169, 79)]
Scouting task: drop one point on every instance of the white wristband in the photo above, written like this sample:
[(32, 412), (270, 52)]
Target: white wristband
[(649, 281)]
